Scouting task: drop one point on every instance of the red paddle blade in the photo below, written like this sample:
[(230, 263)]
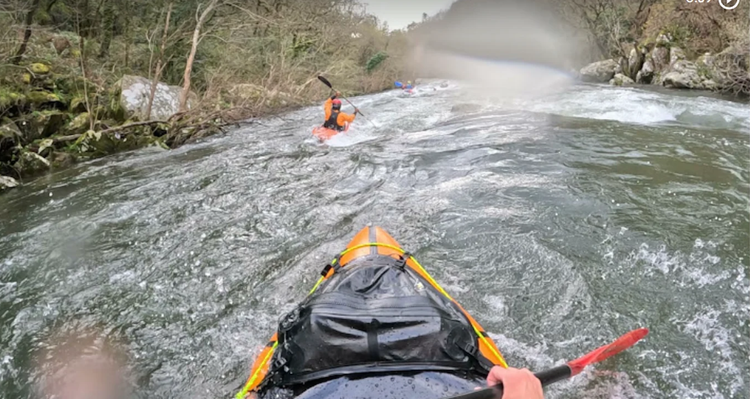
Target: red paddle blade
[(597, 355)]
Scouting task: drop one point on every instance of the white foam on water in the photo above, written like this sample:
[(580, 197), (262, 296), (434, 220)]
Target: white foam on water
[(638, 106), (535, 356), (350, 138)]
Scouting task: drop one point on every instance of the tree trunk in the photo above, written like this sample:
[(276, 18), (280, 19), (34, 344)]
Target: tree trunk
[(108, 29), (126, 33), (159, 64), (27, 33), (189, 66)]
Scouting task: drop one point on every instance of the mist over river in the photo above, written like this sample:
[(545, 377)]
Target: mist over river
[(558, 223)]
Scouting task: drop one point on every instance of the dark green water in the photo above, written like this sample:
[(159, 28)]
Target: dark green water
[(558, 224)]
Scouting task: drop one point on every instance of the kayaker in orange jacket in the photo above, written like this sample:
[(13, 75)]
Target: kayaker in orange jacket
[(335, 119)]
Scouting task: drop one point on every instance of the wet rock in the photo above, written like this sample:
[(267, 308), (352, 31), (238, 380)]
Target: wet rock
[(599, 72), (10, 141), (709, 84), (44, 147), (683, 75), (7, 182), (79, 124), (135, 92), (621, 80), (660, 58), (646, 74), (49, 122), (61, 159), (31, 163), (465, 108), (635, 62), (9, 131), (622, 64)]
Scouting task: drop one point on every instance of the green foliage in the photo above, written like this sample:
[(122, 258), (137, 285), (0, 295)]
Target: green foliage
[(680, 35), (375, 61)]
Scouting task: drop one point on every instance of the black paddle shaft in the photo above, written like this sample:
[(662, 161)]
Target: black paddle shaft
[(327, 83), (546, 377)]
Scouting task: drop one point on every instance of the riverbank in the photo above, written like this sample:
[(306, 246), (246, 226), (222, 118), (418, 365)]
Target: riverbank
[(664, 64), (53, 119)]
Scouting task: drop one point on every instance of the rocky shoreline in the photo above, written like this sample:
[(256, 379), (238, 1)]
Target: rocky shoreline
[(665, 64), (49, 121)]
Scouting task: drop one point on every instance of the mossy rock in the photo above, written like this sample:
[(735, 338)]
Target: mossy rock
[(77, 105), (42, 97), (78, 125), (38, 68), (30, 163), (61, 159), (115, 109), (10, 141), (10, 99), (96, 144), (50, 122)]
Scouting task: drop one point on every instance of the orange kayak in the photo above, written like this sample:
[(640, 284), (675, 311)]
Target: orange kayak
[(324, 134), (371, 246)]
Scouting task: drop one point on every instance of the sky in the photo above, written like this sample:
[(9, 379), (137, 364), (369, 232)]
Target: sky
[(400, 13)]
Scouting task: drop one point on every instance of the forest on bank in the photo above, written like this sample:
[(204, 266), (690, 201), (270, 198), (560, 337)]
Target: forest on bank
[(64, 64)]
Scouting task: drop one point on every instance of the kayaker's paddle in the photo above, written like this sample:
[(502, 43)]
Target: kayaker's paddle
[(568, 370), (327, 83)]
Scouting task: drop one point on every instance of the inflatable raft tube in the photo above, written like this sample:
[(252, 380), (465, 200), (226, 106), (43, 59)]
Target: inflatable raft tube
[(372, 243)]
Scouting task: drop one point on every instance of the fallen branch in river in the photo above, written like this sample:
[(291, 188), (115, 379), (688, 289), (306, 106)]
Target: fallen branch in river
[(73, 137)]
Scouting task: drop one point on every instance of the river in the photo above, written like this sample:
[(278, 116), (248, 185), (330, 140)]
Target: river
[(558, 223)]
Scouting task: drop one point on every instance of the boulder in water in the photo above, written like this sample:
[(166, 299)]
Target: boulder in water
[(599, 72), (646, 74), (683, 75), (635, 62), (135, 92), (31, 163), (621, 80), (7, 182), (709, 84), (61, 159), (660, 58)]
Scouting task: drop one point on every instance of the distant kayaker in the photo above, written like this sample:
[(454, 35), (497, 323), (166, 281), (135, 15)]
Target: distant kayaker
[(335, 119)]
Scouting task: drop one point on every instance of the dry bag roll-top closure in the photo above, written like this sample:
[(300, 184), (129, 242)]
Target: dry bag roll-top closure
[(374, 316)]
